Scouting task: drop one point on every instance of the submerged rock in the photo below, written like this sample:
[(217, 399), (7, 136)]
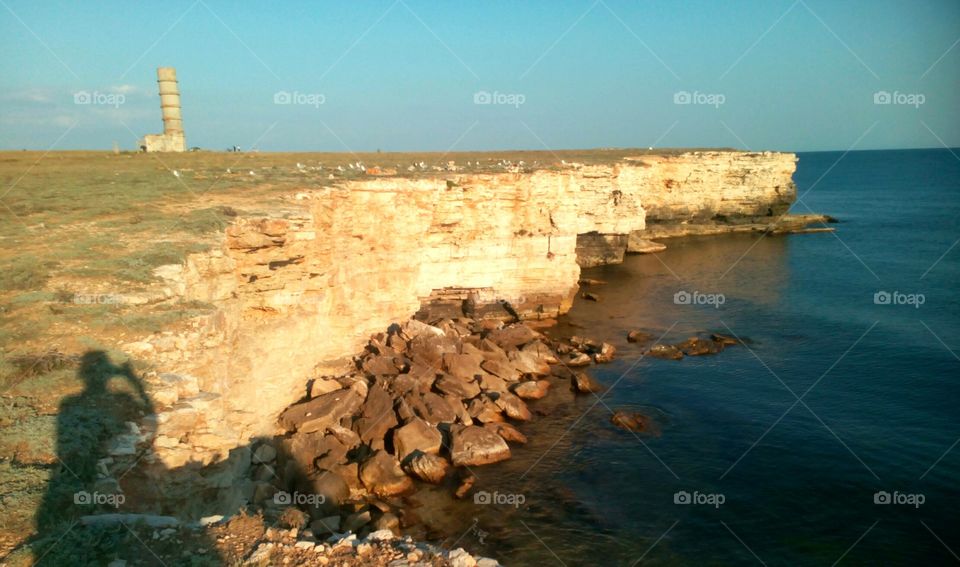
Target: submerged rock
[(669, 352), (631, 421), (583, 383), (695, 346), (639, 337)]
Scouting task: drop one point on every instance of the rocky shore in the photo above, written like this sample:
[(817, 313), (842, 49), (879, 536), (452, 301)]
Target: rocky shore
[(426, 403)]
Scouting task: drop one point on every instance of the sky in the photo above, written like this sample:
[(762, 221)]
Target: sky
[(409, 75)]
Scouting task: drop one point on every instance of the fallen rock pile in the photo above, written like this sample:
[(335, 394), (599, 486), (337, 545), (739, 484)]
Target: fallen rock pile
[(424, 403)]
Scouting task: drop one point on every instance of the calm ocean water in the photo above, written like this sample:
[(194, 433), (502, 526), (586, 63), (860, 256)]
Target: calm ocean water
[(798, 480)]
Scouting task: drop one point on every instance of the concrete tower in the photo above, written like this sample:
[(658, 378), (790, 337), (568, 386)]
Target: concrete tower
[(172, 139)]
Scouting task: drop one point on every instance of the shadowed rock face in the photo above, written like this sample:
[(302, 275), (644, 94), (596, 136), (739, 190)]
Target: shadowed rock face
[(334, 265)]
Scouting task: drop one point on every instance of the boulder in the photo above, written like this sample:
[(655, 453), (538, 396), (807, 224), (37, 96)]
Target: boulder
[(513, 406), (379, 365), (504, 369), (513, 336), (458, 407), (428, 467), (321, 386), (463, 366), (430, 348), (331, 491), (527, 362), (417, 435), (485, 410), (509, 433), (473, 445), (435, 410), (584, 384), (457, 386), (606, 353), (322, 412), (424, 374), (329, 452), (491, 383), (377, 416), (578, 359), (382, 475), (532, 389), (542, 352)]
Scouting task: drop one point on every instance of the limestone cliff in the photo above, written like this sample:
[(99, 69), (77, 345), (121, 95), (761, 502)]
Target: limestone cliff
[(298, 290)]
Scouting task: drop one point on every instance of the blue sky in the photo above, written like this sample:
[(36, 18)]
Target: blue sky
[(407, 75)]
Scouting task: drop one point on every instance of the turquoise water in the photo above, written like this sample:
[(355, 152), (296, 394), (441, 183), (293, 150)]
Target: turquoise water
[(797, 480)]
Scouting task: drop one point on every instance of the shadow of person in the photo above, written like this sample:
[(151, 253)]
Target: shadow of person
[(97, 440)]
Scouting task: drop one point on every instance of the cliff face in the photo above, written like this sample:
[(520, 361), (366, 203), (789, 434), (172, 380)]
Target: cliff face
[(299, 290)]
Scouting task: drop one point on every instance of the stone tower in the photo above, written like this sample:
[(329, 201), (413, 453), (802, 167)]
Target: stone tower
[(172, 139)]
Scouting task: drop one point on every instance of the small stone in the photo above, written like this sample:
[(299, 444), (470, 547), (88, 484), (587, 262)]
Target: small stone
[(590, 296)]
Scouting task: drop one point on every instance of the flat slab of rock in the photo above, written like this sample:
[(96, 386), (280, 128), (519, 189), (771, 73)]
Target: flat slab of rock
[(459, 387), (418, 435), (473, 446), (322, 412), (513, 336), (463, 366), (502, 369)]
